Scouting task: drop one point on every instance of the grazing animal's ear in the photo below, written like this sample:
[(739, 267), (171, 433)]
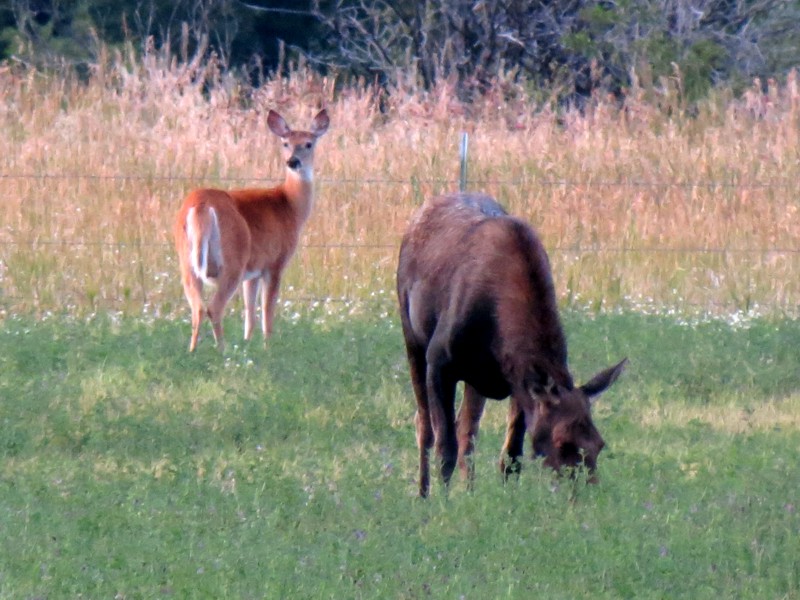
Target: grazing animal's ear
[(600, 382)]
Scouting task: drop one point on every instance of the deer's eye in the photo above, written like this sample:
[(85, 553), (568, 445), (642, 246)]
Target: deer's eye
[(308, 145)]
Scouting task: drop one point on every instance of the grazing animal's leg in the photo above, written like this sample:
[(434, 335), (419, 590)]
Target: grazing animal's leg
[(422, 420), (249, 293), (515, 439), (441, 404), (469, 418)]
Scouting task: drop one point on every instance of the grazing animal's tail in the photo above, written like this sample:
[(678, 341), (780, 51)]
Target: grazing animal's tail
[(205, 250)]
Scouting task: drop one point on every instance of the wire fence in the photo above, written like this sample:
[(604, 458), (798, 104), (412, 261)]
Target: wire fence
[(782, 185), (20, 240), (462, 182), (366, 246)]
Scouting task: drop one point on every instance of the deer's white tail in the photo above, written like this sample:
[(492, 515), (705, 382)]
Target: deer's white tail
[(204, 243)]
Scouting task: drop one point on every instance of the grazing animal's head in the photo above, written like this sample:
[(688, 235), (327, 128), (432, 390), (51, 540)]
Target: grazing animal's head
[(562, 429), (298, 146)]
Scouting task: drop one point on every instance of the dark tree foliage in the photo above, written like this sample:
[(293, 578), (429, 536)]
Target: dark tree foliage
[(570, 46), (576, 45), (240, 33), (8, 25)]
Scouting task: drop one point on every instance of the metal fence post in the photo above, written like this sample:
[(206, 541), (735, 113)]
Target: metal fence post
[(462, 183)]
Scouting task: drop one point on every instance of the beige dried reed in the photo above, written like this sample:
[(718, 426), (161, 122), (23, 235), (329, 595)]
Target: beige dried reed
[(643, 204)]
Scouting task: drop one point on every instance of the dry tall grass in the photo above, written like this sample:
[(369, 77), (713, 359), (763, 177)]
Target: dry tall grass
[(643, 205)]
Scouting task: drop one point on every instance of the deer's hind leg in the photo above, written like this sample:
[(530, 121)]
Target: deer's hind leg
[(227, 284), (193, 290)]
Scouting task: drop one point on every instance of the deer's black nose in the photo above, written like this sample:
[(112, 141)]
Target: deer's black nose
[(293, 163)]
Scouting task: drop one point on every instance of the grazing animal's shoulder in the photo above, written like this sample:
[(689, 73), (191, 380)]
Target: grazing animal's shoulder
[(451, 216), (486, 205), (460, 206)]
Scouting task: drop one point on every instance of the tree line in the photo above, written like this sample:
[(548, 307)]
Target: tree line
[(569, 47)]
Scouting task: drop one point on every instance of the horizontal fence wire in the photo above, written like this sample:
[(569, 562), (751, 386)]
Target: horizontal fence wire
[(726, 184), (550, 182), (553, 182), (560, 249)]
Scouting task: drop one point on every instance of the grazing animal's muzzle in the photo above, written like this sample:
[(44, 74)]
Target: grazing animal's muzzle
[(589, 466), (571, 463), (588, 470), (579, 470), (293, 163)]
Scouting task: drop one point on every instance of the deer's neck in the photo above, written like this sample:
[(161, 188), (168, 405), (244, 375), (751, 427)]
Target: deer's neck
[(299, 190)]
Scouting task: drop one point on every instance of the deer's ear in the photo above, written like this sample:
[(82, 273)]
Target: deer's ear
[(601, 382), (277, 124), (320, 123)]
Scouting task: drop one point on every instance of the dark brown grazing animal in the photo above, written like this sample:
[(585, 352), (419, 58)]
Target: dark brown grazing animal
[(478, 305)]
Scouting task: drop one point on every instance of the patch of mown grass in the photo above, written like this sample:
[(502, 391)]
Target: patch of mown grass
[(130, 468)]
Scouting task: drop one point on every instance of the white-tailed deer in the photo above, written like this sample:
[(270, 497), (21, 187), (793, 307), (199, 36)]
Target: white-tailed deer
[(246, 236)]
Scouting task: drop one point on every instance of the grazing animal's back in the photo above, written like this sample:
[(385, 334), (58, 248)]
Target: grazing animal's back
[(464, 258)]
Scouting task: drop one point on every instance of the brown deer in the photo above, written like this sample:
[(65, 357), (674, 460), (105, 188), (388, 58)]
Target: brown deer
[(247, 236), (478, 305)]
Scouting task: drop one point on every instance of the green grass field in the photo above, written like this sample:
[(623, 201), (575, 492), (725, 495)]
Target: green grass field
[(131, 469)]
